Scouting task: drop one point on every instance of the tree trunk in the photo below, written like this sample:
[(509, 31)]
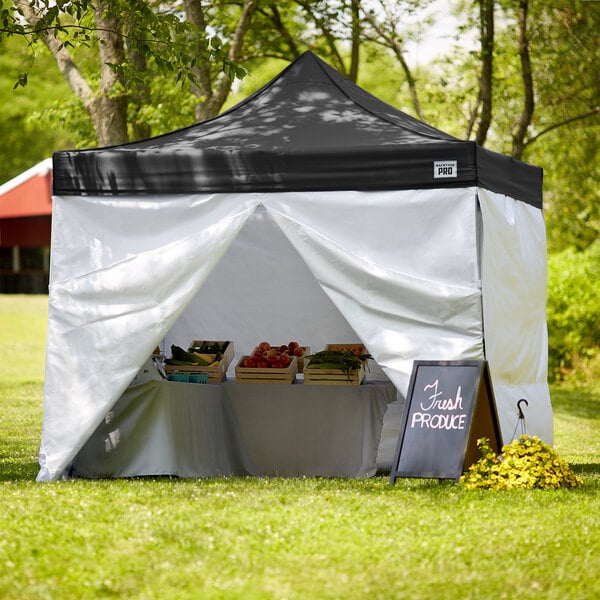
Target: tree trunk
[(140, 97), (108, 110), (520, 130), (355, 47), (212, 93), (486, 29)]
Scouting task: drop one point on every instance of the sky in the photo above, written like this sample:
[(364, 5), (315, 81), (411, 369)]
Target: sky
[(439, 38)]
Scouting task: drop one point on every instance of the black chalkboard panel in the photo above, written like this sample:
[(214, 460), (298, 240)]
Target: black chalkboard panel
[(450, 405)]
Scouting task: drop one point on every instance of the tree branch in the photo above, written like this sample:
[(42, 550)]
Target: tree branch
[(275, 17), (473, 116), (61, 55), (392, 42), (580, 117), (327, 34), (235, 51), (212, 93)]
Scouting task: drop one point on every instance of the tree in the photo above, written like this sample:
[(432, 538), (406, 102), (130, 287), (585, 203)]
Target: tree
[(200, 44), (565, 76), (106, 108), (545, 103), (128, 38), (531, 88), (559, 78)]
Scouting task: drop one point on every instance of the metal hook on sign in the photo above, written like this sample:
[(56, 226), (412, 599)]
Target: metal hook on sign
[(522, 415)]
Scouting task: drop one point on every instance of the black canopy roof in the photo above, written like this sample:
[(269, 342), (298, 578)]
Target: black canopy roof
[(310, 128)]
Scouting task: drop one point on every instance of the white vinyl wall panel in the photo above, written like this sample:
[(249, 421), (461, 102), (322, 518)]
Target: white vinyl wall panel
[(514, 274), (397, 269)]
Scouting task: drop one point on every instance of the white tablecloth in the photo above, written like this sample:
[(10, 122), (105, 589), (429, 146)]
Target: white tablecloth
[(206, 430)]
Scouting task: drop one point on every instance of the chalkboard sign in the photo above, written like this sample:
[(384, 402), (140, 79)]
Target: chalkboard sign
[(450, 405)]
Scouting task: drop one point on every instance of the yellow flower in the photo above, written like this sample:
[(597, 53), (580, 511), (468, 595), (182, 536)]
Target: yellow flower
[(524, 463)]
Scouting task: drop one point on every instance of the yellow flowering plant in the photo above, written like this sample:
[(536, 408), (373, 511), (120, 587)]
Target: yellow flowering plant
[(525, 463)]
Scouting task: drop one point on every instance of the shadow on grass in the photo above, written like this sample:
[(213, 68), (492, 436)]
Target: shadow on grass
[(586, 468), (18, 470), (576, 403)]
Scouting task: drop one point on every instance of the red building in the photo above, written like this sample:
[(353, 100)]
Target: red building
[(25, 224)]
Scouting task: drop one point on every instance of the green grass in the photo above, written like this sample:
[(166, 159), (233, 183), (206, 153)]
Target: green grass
[(282, 538)]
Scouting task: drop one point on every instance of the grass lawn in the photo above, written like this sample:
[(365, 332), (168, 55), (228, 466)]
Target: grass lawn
[(253, 538)]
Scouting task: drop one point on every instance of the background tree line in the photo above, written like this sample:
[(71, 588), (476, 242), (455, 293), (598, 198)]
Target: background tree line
[(521, 77)]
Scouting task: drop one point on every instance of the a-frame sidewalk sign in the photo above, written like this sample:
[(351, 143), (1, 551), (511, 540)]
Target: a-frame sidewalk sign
[(449, 406)]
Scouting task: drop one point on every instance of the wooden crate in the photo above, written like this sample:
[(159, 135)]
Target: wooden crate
[(257, 375), (227, 354), (337, 376), (216, 373), (343, 347), (299, 359), (333, 376)]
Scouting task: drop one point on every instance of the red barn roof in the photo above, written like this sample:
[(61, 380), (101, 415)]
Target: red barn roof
[(29, 194)]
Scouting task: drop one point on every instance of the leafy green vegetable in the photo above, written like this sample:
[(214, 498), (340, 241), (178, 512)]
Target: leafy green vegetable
[(184, 357), (336, 359)]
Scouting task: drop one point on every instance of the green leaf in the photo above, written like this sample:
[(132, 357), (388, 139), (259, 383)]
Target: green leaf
[(21, 81)]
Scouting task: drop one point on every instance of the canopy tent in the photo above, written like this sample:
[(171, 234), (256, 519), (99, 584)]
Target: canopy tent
[(310, 211)]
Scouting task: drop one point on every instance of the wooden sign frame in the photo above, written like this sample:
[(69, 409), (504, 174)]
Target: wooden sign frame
[(449, 406)]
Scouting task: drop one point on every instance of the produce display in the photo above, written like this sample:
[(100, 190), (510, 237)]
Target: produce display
[(346, 359), (207, 357), (206, 347), (201, 353), (181, 357), (269, 364), (266, 356), (337, 364)]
